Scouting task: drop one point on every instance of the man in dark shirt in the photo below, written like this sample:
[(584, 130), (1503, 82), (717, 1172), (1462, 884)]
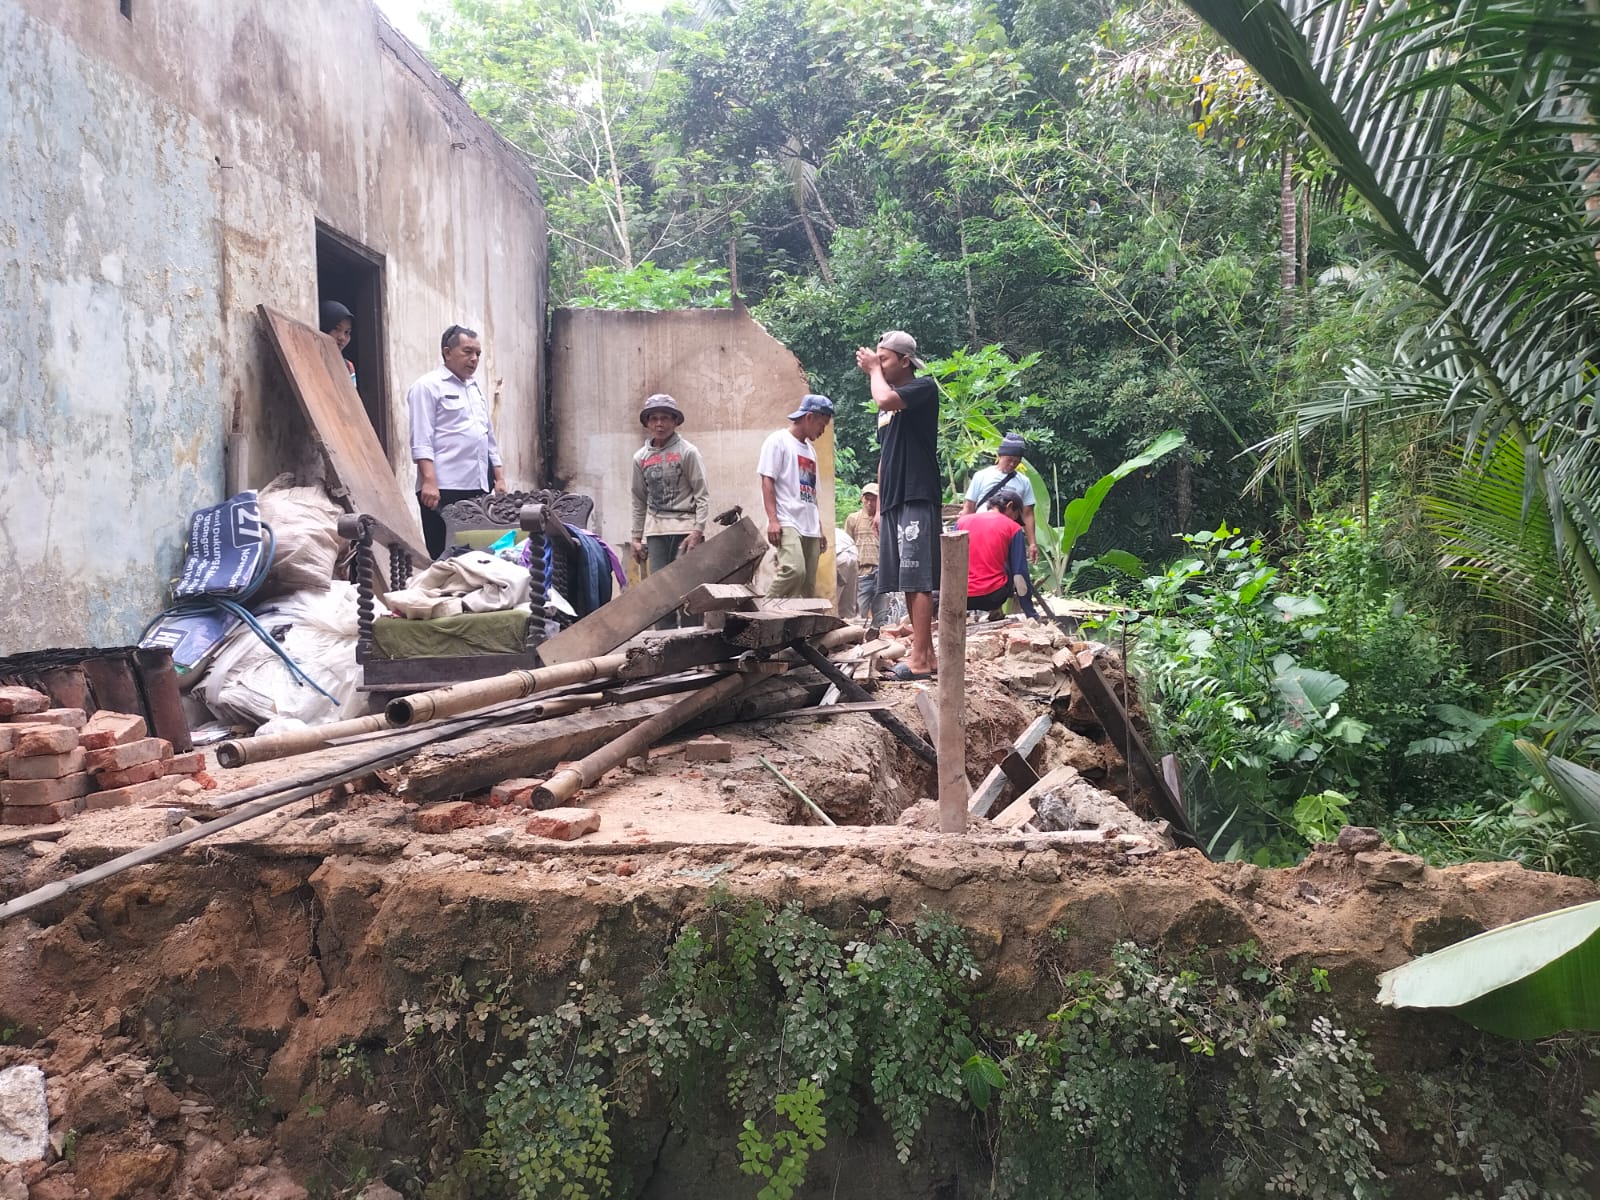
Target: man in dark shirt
[(909, 487)]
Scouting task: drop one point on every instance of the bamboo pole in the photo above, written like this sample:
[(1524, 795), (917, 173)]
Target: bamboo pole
[(564, 784), (952, 736), (804, 799), (239, 752), (514, 685)]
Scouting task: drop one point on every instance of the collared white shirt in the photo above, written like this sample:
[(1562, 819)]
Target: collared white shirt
[(450, 425)]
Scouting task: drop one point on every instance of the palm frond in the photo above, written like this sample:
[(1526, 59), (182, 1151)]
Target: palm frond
[(1464, 128)]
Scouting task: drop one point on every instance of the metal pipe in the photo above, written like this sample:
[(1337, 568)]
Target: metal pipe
[(514, 685), (564, 784)]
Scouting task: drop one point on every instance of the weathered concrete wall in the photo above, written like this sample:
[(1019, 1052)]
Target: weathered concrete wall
[(163, 176), (735, 382)]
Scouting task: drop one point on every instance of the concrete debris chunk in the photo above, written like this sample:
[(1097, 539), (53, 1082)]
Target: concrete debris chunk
[(24, 1115), (442, 818), (564, 824), (514, 793), (708, 749)]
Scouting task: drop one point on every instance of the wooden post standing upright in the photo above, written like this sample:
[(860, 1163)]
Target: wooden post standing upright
[(953, 791)]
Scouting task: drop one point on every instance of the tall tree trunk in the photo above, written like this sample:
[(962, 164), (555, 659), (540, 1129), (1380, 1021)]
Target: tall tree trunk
[(1287, 257), (966, 274), (816, 247), (1183, 502)]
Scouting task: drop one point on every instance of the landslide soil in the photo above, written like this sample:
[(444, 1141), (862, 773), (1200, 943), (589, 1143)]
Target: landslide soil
[(190, 1015)]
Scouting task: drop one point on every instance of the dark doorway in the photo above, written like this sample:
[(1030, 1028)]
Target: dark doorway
[(353, 275)]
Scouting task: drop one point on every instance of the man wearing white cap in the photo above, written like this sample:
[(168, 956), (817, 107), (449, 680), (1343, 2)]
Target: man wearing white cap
[(1005, 474), (788, 470), (909, 486)]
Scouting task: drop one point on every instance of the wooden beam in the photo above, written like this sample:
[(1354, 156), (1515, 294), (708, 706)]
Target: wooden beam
[(850, 688), (720, 597), (1142, 766), (768, 630), (671, 651), (833, 710), (928, 706), (995, 782), (716, 560), (480, 760), (1017, 770), (954, 791), (637, 738)]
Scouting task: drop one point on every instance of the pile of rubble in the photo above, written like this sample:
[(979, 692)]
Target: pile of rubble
[(58, 761)]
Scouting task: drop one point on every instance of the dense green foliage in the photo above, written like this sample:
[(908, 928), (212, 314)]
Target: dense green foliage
[(1212, 1075)]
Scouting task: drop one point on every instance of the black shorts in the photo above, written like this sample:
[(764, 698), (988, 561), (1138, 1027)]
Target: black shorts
[(908, 548)]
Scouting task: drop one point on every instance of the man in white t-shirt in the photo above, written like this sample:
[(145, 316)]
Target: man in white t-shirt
[(788, 470)]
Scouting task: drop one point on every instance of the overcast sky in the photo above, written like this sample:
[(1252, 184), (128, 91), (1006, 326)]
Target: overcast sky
[(406, 16)]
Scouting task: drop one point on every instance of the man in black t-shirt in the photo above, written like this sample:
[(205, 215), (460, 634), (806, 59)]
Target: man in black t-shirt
[(909, 487)]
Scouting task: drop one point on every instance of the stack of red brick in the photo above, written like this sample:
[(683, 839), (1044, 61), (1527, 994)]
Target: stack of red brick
[(56, 761)]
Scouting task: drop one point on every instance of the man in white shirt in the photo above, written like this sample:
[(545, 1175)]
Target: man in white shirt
[(788, 470), (452, 442)]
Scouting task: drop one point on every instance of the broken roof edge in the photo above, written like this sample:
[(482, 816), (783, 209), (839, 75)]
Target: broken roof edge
[(454, 106)]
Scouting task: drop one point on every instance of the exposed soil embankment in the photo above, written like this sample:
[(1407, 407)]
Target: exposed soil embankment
[(190, 1019)]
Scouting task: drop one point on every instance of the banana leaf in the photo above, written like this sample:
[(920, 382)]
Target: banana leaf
[(1577, 785), (1530, 979)]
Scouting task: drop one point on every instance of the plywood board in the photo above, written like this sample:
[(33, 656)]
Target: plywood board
[(719, 557), (355, 459)]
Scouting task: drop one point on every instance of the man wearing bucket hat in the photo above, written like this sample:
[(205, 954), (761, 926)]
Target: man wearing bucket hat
[(1005, 474), (671, 501), (788, 470), (909, 485)]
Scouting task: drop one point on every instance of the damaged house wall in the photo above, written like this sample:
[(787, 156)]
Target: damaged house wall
[(735, 382), (167, 172)]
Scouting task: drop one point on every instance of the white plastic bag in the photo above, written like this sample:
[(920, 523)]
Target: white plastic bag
[(305, 533), (248, 682)]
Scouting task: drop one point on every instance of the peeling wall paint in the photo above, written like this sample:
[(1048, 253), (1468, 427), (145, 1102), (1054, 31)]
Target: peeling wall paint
[(735, 382), (159, 178)]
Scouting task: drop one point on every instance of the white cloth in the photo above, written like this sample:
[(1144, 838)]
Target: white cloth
[(791, 464), (474, 582), (985, 479), (450, 425)]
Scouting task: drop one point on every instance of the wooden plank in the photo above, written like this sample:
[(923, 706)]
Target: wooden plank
[(1141, 764), (833, 710), (955, 793), (766, 630), (716, 560), (1017, 770), (1014, 815), (719, 597), (796, 604), (480, 760), (928, 706), (319, 380), (995, 782), (671, 651)]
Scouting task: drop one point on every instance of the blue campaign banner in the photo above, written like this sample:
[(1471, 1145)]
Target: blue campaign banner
[(225, 548)]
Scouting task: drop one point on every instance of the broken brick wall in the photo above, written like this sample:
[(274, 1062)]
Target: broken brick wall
[(166, 172)]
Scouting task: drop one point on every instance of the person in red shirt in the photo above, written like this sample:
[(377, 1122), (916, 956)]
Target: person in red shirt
[(997, 555)]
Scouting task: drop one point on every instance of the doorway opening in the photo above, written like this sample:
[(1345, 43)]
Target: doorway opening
[(353, 275)]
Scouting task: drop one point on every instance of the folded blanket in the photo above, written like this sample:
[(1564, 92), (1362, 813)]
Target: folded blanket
[(474, 582)]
